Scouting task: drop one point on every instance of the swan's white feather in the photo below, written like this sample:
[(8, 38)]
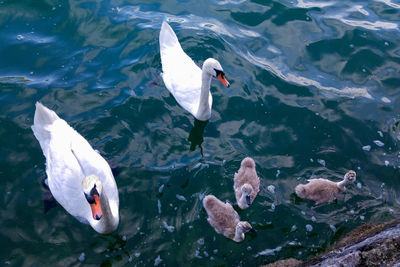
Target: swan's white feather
[(69, 158), (181, 75)]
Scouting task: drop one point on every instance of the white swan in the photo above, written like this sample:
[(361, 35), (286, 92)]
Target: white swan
[(78, 177), (189, 85)]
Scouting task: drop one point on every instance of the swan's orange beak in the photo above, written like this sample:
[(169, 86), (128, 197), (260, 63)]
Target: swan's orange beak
[(96, 208), (223, 80)]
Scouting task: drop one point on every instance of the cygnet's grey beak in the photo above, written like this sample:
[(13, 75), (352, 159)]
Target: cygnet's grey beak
[(253, 230), (248, 200)]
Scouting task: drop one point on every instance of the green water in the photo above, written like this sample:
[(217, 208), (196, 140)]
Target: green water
[(312, 83)]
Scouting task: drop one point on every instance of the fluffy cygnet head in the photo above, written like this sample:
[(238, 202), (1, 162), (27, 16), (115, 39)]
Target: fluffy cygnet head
[(247, 190), (350, 176), (245, 227), (92, 189)]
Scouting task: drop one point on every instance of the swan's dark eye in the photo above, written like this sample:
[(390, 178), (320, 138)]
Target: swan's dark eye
[(90, 196), (219, 72)]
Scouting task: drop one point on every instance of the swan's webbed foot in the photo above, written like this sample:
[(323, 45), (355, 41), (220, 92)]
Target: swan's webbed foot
[(49, 201)]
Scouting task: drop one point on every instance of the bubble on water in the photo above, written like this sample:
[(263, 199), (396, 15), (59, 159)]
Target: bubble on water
[(387, 43), (130, 259), (273, 206), (309, 227), (379, 143), (137, 254), (303, 212), (159, 206), (277, 173), (180, 197), (366, 148), (271, 188), (313, 219), (294, 228), (351, 211), (269, 252), (215, 251), (160, 189), (200, 241), (124, 238), (169, 228), (359, 185), (197, 254), (380, 133), (386, 163), (311, 160), (20, 37), (333, 228), (82, 257), (157, 261), (351, 46), (248, 248), (322, 162), (362, 217)]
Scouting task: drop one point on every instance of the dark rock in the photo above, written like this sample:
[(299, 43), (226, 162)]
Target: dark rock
[(367, 245)]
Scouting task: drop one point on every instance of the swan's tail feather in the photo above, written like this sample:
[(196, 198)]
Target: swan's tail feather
[(43, 116), (167, 37), (209, 202)]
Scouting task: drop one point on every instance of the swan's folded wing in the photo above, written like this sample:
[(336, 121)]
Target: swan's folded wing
[(63, 171), (92, 162)]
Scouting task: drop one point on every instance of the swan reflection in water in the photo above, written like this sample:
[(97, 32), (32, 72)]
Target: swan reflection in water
[(196, 135)]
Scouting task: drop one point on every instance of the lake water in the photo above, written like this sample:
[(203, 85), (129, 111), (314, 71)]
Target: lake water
[(315, 91)]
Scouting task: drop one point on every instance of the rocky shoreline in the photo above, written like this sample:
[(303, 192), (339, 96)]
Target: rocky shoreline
[(368, 245)]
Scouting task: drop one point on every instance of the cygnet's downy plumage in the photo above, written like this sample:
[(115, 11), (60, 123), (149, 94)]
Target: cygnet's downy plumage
[(225, 219), (322, 190), (246, 183)]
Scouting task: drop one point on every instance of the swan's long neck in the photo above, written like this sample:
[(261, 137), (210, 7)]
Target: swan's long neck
[(109, 221), (242, 203), (239, 234), (204, 110)]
